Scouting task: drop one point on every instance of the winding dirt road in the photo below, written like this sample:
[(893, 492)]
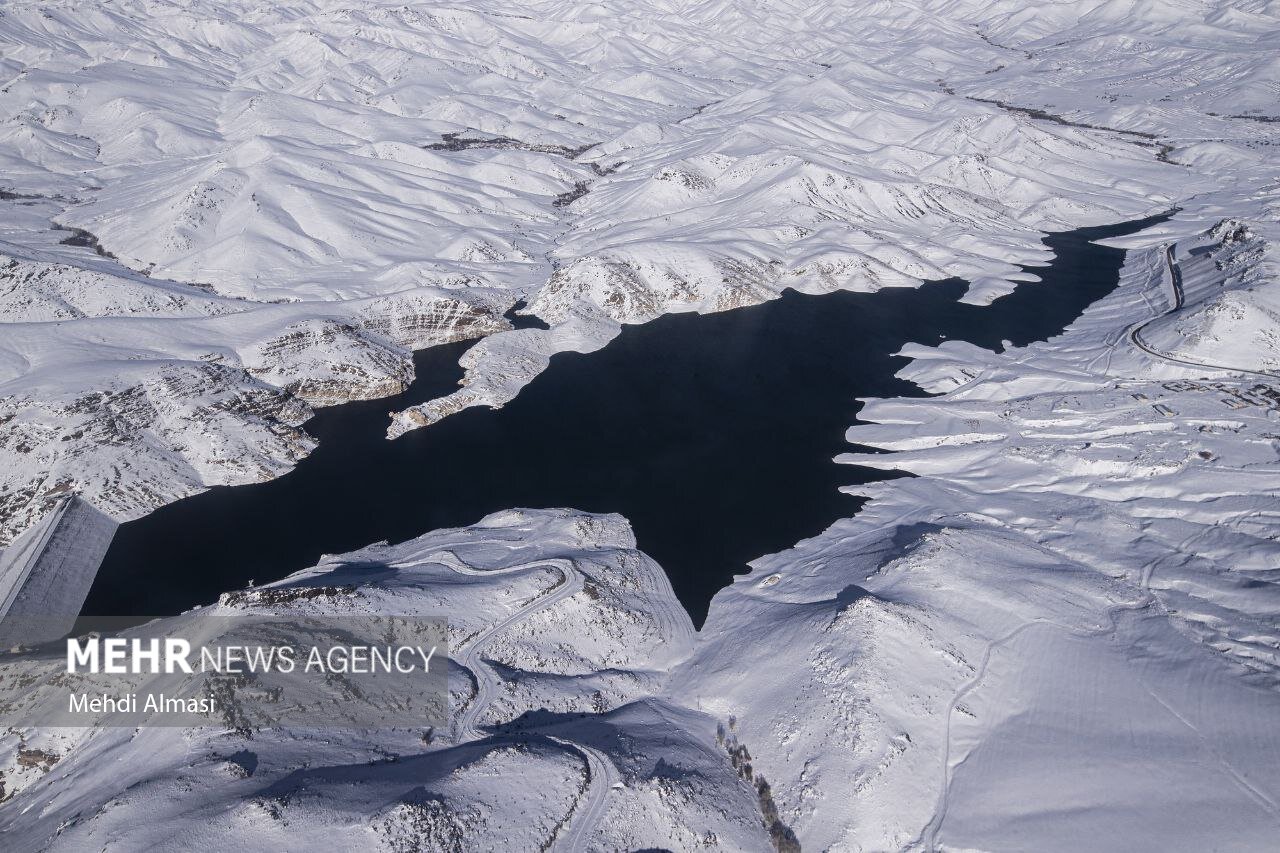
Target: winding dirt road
[(1175, 283), (600, 771)]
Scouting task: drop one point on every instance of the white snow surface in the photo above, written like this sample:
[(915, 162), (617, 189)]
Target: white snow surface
[(277, 188), (548, 611), (1063, 633)]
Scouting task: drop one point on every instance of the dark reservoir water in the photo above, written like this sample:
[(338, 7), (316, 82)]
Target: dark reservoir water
[(713, 434)]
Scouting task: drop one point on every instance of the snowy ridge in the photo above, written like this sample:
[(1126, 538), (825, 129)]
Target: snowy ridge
[(605, 168), (593, 757), (1060, 634), (1222, 311), (1064, 629), (1061, 631)]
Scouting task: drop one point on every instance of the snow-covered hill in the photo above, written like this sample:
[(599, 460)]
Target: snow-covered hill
[(1062, 633), (606, 166), (560, 636)]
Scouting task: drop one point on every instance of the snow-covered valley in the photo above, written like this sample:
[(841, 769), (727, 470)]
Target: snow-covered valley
[(1062, 633), (283, 205)]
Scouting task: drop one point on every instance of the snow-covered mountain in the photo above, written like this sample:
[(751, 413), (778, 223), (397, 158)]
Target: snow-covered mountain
[(217, 161), (1061, 633), (550, 615)]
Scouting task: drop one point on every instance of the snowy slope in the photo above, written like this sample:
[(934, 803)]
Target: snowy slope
[(1061, 634), (214, 160), (596, 755), (1223, 311)]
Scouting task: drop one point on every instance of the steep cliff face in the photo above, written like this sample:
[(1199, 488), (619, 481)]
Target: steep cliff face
[(172, 409)]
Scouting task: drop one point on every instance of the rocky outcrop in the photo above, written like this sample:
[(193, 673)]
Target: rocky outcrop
[(159, 433)]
